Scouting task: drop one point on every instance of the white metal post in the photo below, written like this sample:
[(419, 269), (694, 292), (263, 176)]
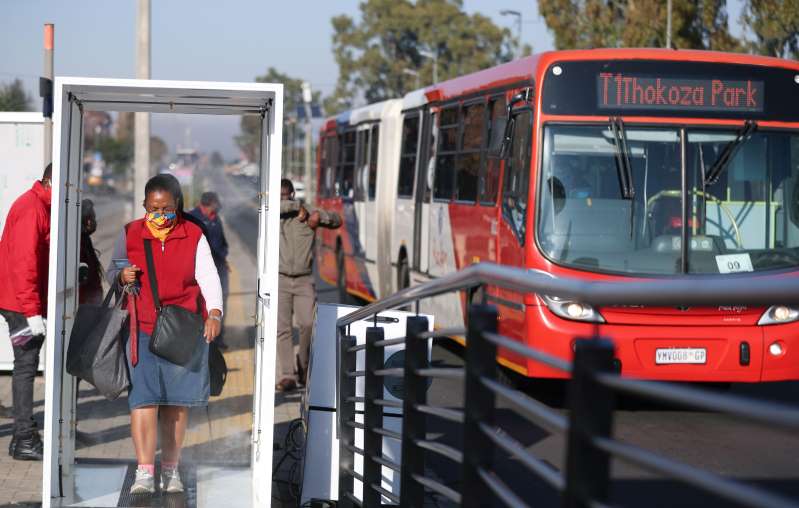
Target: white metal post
[(141, 122)]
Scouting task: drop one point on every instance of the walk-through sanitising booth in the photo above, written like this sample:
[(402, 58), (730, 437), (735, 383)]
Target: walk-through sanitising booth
[(67, 482)]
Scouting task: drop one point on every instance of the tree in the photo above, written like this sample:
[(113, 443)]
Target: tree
[(117, 154), (374, 53), (775, 24), (14, 98), (250, 135), (582, 24)]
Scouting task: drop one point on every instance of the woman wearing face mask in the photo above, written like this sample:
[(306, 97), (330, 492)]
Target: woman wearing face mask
[(161, 392)]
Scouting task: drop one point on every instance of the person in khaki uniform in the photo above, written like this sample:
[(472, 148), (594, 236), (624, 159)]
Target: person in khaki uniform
[(296, 291)]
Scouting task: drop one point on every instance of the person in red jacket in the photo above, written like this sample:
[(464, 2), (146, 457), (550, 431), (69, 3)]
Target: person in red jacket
[(24, 262)]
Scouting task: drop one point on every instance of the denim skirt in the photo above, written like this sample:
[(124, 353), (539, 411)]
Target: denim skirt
[(155, 381)]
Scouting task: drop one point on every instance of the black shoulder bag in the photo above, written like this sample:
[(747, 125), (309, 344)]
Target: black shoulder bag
[(178, 332)]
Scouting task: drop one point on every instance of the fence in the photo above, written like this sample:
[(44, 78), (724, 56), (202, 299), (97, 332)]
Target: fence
[(593, 387)]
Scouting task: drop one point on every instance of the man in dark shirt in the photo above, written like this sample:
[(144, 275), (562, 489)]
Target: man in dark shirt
[(207, 212)]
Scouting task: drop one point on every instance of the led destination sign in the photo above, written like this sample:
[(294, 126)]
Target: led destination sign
[(625, 91)]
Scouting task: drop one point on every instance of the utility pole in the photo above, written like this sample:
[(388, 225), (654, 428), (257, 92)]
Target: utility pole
[(307, 97), (668, 24), (46, 92), (141, 154)]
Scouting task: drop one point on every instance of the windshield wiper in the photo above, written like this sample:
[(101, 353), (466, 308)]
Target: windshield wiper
[(623, 166), (622, 158), (728, 153)]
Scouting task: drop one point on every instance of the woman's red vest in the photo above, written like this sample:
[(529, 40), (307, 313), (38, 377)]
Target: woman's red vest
[(174, 269)]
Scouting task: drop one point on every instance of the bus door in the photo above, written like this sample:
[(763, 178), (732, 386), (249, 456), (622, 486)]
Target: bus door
[(365, 249), (441, 249), (406, 202), (369, 217), (424, 189), (514, 209), (359, 196)]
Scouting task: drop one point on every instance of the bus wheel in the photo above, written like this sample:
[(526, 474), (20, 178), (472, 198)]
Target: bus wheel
[(341, 280)]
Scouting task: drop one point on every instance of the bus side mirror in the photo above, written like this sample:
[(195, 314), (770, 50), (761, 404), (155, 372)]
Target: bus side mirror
[(500, 147)]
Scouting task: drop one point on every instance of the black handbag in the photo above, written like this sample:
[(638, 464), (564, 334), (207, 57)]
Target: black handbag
[(96, 349), (178, 332)]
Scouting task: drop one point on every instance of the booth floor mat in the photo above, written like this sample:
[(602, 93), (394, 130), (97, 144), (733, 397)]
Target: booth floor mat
[(186, 499)]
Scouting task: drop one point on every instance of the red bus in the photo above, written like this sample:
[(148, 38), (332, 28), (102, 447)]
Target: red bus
[(617, 164)]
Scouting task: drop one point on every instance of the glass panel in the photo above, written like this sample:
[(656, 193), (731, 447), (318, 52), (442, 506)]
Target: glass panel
[(362, 165), (583, 219), (747, 220), (405, 184), (430, 166), (410, 143), (489, 178), (517, 176), (449, 139), (373, 163), (466, 179), (445, 171), (473, 126), (410, 135), (449, 116)]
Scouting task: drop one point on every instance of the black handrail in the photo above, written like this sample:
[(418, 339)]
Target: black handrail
[(585, 479), (693, 290)]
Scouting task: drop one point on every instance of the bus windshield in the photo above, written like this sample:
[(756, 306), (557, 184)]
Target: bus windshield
[(743, 219)]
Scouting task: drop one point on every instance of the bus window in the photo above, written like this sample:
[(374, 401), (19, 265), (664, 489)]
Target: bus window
[(329, 169), (430, 165), (445, 160), (410, 143), (517, 175), (373, 141), (470, 153), (489, 175), (362, 165), (346, 181)]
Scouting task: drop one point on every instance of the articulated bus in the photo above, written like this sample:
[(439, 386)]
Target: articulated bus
[(607, 164)]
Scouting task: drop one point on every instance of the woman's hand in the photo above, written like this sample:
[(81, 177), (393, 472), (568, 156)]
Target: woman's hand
[(213, 325), (128, 275)]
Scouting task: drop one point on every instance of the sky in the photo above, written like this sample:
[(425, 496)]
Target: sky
[(206, 40)]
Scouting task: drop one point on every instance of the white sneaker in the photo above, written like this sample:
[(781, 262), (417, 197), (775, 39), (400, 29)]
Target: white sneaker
[(170, 481), (144, 484)]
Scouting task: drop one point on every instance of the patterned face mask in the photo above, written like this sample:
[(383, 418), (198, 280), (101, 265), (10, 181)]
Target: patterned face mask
[(161, 220)]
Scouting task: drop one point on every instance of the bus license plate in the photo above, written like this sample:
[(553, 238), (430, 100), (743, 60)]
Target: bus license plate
[(680, 355)]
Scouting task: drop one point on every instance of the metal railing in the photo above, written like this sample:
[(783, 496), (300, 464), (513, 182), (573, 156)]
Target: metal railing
[(593, 386)]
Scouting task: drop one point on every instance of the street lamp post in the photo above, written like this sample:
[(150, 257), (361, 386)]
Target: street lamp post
[(412, 73), (668, 24), (518, 15), (432, 55)]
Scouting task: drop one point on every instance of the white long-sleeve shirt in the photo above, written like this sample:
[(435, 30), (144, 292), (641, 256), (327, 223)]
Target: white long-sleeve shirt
[(205, 272)]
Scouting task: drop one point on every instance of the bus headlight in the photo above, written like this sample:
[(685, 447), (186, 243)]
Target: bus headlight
[(778, 314), (572, 310)]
